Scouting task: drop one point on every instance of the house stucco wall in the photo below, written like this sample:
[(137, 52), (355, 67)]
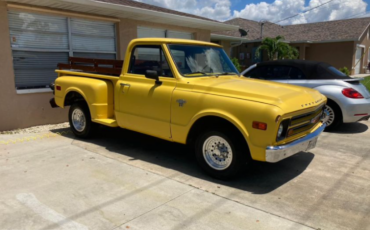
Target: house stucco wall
[(128, 31), (20, 110), (337, 54), (26, 110)]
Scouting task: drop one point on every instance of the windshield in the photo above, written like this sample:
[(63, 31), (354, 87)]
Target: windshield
[(197, 61)]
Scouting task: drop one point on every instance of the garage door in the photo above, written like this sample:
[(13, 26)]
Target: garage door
[(39, 42), (357, 61), (146, 32)]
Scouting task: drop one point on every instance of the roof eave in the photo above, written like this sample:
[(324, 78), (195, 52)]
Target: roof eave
[(134, 13), (227, 37)]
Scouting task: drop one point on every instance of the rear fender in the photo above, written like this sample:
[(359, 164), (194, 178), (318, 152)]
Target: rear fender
[(97, 93)]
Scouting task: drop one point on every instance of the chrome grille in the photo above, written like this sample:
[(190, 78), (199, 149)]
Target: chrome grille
[(304, 122)]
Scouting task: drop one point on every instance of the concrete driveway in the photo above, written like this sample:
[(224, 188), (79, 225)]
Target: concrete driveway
[(124, 180)]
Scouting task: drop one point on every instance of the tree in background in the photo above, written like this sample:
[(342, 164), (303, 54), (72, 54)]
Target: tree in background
[(277, 49), (236, 63)]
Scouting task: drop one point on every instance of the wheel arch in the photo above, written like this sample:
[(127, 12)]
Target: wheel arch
[(206, 120), (330, 92)]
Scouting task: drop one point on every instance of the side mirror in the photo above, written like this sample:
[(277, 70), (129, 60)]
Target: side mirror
[(152, 74)]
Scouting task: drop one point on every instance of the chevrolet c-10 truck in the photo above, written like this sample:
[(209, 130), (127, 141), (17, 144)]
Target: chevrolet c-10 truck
[(189, 92)]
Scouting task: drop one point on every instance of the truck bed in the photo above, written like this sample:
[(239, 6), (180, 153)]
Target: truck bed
[(93, 66)]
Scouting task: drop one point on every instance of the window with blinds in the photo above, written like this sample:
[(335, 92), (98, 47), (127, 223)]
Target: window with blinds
[(39, 42), (146, 32)]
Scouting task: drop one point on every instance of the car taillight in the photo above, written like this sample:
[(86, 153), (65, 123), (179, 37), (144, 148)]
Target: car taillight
[(351, 93)]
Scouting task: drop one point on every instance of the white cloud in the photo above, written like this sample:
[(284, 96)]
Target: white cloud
[(275, 11), (280, 9), (214, 9)]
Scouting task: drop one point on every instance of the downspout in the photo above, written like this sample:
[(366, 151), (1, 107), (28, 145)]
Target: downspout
[(243, 33)]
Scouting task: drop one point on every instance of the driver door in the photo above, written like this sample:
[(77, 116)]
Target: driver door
[(144, 104)]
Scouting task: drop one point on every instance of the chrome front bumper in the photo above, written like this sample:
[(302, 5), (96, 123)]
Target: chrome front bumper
[(278, 153)]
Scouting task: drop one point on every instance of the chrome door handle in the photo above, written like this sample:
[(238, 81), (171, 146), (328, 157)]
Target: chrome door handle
[(123, 84)]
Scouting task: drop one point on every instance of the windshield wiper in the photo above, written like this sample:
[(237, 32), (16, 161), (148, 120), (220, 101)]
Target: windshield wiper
[(196, 73), (228, 73)]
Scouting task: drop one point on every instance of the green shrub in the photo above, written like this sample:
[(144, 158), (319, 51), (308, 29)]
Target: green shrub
[(345, 71), (236, 64)]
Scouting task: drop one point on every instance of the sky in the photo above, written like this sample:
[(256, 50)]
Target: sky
[(270, 10)]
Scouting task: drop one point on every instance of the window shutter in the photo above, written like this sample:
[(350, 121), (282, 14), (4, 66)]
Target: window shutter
[(36, 69), (182, 35), (35, 31), (93, 36)]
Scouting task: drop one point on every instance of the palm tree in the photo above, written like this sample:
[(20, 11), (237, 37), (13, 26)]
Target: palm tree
[(276, 48)]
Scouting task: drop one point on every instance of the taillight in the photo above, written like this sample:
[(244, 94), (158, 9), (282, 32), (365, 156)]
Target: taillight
[(351, 93), (58, 87)]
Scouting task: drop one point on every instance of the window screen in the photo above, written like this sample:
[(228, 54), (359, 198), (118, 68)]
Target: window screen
[(39, 42)]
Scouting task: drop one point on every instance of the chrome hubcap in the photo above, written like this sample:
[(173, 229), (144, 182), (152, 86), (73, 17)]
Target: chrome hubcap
[(78, 120), (217, 152), (328, 116)]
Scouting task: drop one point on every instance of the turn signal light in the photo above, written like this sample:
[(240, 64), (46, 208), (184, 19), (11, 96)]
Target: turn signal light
[(259, 125), (351, 93)]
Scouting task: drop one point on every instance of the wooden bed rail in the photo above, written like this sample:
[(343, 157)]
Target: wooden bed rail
[(93, 65)]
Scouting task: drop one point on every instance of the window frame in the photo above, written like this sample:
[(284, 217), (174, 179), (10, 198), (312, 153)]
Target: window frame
[(149, 46), (70, 50)]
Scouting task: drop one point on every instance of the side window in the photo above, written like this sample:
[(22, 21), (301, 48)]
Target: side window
[(296, 74), (145, 58), (254, 73), (278, 73)]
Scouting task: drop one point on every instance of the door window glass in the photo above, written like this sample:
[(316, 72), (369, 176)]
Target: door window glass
[(145, 58), (296, 74), (254, 73)]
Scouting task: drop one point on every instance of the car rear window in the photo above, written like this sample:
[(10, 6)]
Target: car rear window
[(337, 73)]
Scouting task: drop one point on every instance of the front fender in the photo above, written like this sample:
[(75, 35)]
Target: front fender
[(224, 115)]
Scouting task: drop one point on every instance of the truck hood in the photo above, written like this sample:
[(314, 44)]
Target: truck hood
[(289, 98)]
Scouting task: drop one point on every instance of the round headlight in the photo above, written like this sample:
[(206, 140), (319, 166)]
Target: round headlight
[(280, 131)]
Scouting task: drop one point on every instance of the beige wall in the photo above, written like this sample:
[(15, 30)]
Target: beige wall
[(338, 54), (25, 110), (20, 111), (128, 31)]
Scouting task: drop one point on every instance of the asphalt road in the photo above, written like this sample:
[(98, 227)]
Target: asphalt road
[(125, 180)]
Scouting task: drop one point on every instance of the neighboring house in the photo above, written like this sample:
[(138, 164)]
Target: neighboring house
[(341, 43), (38, 34)]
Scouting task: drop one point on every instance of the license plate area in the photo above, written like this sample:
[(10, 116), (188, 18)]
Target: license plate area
[(311, 144)]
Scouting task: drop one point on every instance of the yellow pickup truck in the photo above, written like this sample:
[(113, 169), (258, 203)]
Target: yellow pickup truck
[(190, 92)]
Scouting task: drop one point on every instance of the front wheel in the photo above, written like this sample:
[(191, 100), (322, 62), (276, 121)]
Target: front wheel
[(219, 155), (80, 120)]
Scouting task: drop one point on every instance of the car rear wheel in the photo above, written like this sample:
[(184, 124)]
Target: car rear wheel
[(80, 120), (332, 116), (219, 155)]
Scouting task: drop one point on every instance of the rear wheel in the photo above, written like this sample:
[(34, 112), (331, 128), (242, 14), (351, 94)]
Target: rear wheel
[(332, 116), (221, 154), (80, 120)]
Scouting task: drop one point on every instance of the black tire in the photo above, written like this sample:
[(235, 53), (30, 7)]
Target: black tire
[(239, 150), (88, 130), (338, 117)]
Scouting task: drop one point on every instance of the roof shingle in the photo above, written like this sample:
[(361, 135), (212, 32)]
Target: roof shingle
[(349, 29)]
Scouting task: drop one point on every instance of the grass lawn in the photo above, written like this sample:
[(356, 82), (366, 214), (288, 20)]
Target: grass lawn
[(366, 82)]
